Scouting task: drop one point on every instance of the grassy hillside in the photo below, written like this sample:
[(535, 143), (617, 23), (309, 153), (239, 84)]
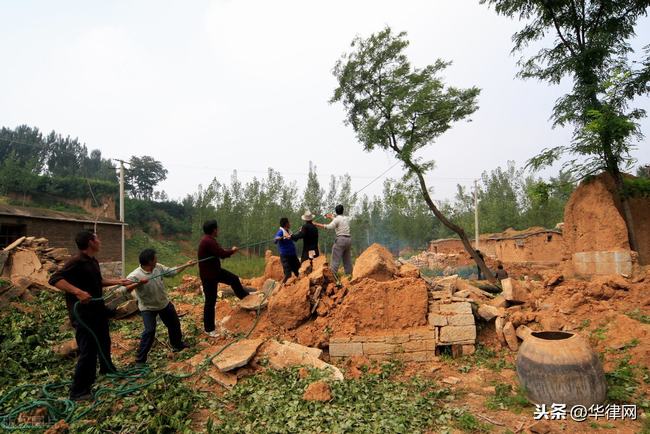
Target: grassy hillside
[(172, 253)]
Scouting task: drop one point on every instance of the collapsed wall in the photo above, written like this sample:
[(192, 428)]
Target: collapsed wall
[(595, 233)]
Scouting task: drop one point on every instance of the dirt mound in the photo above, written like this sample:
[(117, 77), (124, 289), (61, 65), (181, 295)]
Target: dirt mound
[(375, 306), (592, 220), (289, 305), (318, 391), (376, 263), (273, 268)]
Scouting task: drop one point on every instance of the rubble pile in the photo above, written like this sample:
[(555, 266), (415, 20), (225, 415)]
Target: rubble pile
[(25, 267), (447, 262)]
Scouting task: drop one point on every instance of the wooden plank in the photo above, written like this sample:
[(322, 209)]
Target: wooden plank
[(15, 244)]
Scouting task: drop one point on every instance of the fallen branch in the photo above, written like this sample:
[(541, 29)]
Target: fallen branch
[(492, 421)]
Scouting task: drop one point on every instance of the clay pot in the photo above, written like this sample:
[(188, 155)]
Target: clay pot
[(560, 367)]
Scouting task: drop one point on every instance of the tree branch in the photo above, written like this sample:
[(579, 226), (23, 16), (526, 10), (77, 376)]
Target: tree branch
[(557, 28)]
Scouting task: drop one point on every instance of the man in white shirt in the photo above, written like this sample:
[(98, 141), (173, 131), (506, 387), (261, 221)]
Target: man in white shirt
[(153, 302), (342, 249)]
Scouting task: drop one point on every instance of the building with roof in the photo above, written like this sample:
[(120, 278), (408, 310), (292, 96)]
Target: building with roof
[(59, 228)]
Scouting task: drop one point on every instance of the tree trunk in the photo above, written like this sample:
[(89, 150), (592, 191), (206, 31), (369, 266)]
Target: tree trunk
[(627, 211), (612, 167), (457, 229)]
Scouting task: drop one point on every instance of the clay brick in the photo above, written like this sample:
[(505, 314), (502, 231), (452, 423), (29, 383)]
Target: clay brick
[(436, 320), (380, 357), (463, 319), (345, 349), (423, 334), (456, 308), (339, 340), (419, 356), (378, 348), (455, 334), (368, 339), (421, 345), (462, 350), (397, 339)]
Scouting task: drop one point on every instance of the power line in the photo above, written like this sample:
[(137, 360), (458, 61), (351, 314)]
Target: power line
[(189, 166), (380, 175)]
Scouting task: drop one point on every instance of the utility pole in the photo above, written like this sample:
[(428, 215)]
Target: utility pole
[(476, 231), (122, 215)]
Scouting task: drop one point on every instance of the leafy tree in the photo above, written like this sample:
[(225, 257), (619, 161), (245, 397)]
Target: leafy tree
[(590, 45), (142, 176), (643, 171), (313, 195), (392, 106), (65, 156), (24, 145), (498, 201)]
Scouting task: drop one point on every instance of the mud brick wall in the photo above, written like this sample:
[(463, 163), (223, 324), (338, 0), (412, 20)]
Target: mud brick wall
[(61, 233), (414, 345), (453, 323)]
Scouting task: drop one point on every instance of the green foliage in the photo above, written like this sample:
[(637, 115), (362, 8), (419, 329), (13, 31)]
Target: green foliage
[(639, 316), (396, 107), (590, 45), (508, 199), (54, 155), (272, 402), (623, 383), (14, 179), (469, 423), (643, 171), (637, 187), (163, 407), (142, 176), (505, 399), (26, 339)]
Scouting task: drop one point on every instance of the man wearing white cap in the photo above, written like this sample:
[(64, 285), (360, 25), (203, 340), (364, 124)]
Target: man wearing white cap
[(308, 233)]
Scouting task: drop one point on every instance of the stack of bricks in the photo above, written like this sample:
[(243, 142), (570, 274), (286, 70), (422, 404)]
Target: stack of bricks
[(454, 325), (412, 345)]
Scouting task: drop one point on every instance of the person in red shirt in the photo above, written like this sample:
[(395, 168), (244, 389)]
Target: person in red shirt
[(212, 274)]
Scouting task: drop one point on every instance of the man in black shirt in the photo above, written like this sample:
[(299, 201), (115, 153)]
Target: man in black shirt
[(81, 280), (309, 235)]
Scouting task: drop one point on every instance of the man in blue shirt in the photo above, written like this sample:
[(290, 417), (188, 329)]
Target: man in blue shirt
[(287, 249)]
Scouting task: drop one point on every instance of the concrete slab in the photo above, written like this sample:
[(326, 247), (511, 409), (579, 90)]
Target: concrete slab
[(237, 355), (254, 301)]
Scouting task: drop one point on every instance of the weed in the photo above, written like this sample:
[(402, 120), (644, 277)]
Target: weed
[(505, 399), (489, 358), (469, 423), (594, 425), (600, 333), (636, 314), (584, 324), (272, 402), (622, 382)]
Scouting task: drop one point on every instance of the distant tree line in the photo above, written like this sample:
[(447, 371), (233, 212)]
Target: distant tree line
[(249, 212), (50, 164)]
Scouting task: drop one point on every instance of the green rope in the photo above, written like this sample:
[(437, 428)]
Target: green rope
[(66, 409)]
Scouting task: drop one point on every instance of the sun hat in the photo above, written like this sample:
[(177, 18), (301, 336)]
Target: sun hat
[(307, 216)]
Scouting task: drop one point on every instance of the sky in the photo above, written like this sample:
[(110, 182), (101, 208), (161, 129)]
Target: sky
[(208, 87)]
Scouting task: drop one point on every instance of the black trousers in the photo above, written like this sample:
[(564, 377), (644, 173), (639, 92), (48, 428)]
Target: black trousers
[(290, 264), (169, 317), (85, 372), (210, 293)]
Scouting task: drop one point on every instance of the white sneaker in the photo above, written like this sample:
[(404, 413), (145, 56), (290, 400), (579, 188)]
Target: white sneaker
[(213, 334)]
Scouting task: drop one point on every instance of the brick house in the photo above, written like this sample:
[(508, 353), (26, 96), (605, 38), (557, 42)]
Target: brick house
[(59, 228)]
